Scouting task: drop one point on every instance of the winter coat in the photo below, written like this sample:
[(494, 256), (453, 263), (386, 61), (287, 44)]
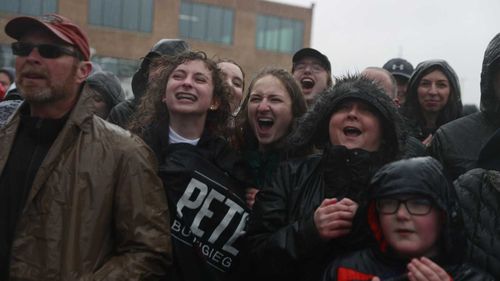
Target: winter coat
[(417, 176), (283, 240), (412, 109), (96, 209), (206, 185), (478, 192), (457, 144)]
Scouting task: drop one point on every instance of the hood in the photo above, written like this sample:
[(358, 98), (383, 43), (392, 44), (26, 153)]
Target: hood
[(108, 85), (423, 176), (168, 47), (313, 126), (451, 111), (490, 105)]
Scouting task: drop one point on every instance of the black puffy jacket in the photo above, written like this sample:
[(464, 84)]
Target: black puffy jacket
[(457, 144), (422, 176), (479, 197)]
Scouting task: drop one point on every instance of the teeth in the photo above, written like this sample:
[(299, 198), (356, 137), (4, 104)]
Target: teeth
[(185, 96), (352, 131), (307, 83)]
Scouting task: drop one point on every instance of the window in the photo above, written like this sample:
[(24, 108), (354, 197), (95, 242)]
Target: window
[(122, 68), (29, 7), (134, 15), (6, 56), (206, 22), (279, 34)]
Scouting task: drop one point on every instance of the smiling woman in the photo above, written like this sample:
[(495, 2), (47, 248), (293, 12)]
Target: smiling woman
[(307, 213), (433, 98), (182, 117)]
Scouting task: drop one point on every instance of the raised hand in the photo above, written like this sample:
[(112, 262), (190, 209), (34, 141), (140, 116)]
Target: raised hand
[(423, 269), (333, 218)]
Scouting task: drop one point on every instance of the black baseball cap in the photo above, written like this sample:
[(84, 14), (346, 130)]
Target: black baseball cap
[(310, 52), (399, 66)]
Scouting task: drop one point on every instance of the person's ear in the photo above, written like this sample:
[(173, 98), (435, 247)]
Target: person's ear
[(83, 70)]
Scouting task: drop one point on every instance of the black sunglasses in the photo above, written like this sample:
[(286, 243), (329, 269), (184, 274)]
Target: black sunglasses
[(47, 51)]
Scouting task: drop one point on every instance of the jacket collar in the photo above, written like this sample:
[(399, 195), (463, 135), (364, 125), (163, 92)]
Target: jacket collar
[(78, 121)]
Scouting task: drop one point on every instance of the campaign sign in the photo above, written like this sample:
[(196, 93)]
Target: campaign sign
[(210, 217)]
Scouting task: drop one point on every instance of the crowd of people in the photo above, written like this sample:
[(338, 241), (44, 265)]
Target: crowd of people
[(378, 175)]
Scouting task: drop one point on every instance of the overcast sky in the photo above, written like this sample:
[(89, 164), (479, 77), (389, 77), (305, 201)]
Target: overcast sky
[(355, 34)]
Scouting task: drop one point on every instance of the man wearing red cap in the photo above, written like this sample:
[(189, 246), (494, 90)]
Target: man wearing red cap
[(79, 197)]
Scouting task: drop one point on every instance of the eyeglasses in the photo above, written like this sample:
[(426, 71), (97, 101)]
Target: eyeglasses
[(48, 51), (315, 67), (414, 206)]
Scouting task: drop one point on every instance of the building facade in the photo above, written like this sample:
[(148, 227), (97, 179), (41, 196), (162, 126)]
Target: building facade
[(254, 33)]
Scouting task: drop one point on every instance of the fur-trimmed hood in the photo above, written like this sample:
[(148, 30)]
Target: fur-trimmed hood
[(313, 126)]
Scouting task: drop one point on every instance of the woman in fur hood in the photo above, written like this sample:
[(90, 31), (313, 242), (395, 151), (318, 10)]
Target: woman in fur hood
[(309, 211)]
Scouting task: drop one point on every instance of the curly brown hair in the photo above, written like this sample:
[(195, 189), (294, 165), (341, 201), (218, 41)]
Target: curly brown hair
[(152, 109)]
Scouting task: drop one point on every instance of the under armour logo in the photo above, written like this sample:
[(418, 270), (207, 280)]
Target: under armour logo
[(400, 67)]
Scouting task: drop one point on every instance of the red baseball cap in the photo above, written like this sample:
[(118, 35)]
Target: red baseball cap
[(56, 24)]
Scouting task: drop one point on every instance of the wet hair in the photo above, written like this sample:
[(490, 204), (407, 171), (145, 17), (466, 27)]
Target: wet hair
[(247, 136), (152, 109)]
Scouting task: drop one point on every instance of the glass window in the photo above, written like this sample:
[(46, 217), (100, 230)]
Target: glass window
[(29, 7), (131, 15), (122, 68), (279, 34), (6, 56), (206, 22)]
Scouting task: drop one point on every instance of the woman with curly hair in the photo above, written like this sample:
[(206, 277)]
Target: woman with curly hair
[(183, 116), (308, 213)]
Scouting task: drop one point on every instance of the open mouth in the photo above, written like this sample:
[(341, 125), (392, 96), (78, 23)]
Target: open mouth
[(265, 123), (307, 83), (33, 75), (186, 96), (352, 131)]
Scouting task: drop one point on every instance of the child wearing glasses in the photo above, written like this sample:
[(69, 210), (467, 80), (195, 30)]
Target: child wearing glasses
[(415, 219)]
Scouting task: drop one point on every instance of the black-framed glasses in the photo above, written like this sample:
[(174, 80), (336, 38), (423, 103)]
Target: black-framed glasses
[(414, 206), (47, 51)]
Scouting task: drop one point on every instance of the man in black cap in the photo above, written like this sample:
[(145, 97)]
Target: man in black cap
[(402, 70), (121, 113), (313, 71)]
